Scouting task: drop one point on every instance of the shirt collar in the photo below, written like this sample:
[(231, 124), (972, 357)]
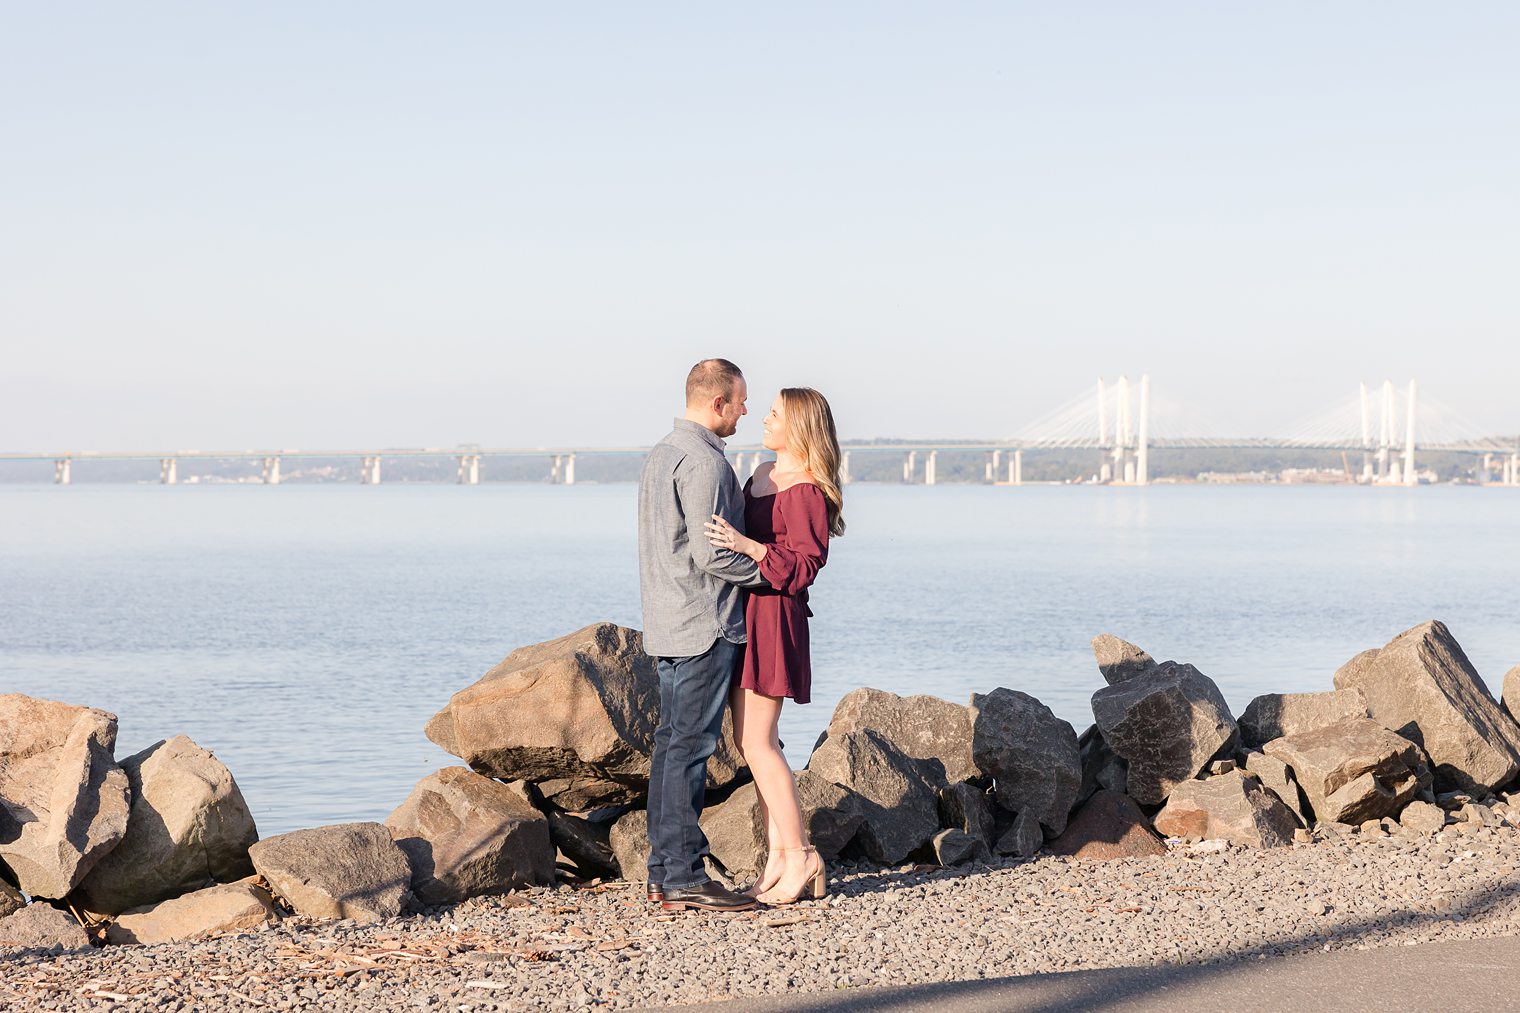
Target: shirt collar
[(702, 431)]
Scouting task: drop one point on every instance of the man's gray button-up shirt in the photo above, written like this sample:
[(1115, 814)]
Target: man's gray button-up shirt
[(690, 588)]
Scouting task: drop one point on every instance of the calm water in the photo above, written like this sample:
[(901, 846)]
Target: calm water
[(306, 634)]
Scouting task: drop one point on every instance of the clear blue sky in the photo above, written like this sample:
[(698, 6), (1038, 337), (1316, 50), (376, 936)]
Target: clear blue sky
[(296, 224)]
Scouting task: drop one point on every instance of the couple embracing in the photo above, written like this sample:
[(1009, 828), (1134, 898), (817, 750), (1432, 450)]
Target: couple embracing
[(724, 574)]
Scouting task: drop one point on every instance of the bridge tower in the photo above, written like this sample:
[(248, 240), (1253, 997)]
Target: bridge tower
[(1384, 462), (1126, 447)]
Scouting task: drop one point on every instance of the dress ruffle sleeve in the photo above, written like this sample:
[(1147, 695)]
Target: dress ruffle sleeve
[(792, 562)]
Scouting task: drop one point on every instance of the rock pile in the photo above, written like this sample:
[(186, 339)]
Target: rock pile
[(558, 737)]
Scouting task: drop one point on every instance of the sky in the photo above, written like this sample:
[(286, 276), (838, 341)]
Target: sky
[(381, 224)]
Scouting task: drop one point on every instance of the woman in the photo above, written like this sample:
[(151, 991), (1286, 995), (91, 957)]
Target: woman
[(791, 508)]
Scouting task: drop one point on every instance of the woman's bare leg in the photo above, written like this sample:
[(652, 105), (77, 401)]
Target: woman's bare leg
[(761, 746), (774, 859)]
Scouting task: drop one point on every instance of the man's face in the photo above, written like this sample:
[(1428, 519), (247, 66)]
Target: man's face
[(733, 410)]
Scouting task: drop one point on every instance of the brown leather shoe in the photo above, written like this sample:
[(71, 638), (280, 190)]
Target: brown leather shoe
[(709, 896)]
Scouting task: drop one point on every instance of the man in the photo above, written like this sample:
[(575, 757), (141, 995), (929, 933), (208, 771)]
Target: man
[(693, 625)]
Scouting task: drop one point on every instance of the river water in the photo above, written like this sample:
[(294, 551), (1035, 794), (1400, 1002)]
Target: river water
[(307, 633)]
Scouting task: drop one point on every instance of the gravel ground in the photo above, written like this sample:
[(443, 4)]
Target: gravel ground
[(601, 946)]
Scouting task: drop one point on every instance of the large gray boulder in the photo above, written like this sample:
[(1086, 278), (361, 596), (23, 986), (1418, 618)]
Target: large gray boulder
[(464, 834), (1509, 701), (188, 827), (349, 870), (63, 799), (1108, 826), (1030, 754), (1230, 806), (898, 796), (41, 926), (1119, 660), (1422, 686), (923, 727), (1167, 724), (1354, 770), (629, 840), (576, 716), (735, 830), (224, 907), (1273, 715)]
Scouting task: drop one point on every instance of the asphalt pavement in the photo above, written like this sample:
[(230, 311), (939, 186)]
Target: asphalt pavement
[(1482, 974)]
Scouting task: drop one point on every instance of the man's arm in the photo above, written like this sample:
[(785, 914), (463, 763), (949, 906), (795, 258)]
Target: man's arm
[(702, 494)]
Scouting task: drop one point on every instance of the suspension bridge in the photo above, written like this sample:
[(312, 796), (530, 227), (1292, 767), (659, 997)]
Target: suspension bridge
[(1388, 427)]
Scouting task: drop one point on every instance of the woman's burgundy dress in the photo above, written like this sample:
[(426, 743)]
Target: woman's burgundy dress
[(794, 526)]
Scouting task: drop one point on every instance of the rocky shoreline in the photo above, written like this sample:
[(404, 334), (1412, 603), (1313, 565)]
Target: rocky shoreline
[(963, 841)]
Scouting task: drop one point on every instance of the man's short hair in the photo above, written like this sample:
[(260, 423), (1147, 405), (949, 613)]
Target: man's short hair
[(711, 378)]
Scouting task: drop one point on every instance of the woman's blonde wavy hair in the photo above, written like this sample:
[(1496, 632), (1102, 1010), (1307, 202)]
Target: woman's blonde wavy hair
[(812, 437)]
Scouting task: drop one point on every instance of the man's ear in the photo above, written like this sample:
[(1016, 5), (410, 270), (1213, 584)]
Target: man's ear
[(717, 404)]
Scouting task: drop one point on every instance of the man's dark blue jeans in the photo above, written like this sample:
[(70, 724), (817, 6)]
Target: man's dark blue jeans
[(693, 693)]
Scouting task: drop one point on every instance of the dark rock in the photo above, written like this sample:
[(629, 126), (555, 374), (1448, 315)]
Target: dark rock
[(464, 835), (188, 827), (965, 807), (1273, 715), (898, 796), (1276, 777), (1024, 838), (63, 799), (1231, 807), (40, 926), (952, 847), (1167, 723), (1120, 660), (629, 840), (225, 907), (1422, 686), (1353, 770), (576, 716), (1030, 754), (1101, 766), (923, 727), (1109, 825), (350, 870), (585, 842)]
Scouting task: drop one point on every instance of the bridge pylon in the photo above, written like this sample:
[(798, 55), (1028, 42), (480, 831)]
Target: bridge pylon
[(1126, 446), (1384, 462)]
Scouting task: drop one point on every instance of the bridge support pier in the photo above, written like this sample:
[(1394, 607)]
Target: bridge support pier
[(271, 471), (1016, 468), (168, 471), (62, 471), (739, 466), (369, 473), (844, 468), (469, 469), (994, 465), (570, 469), (556, 469), (930, 464), (910, 466)]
